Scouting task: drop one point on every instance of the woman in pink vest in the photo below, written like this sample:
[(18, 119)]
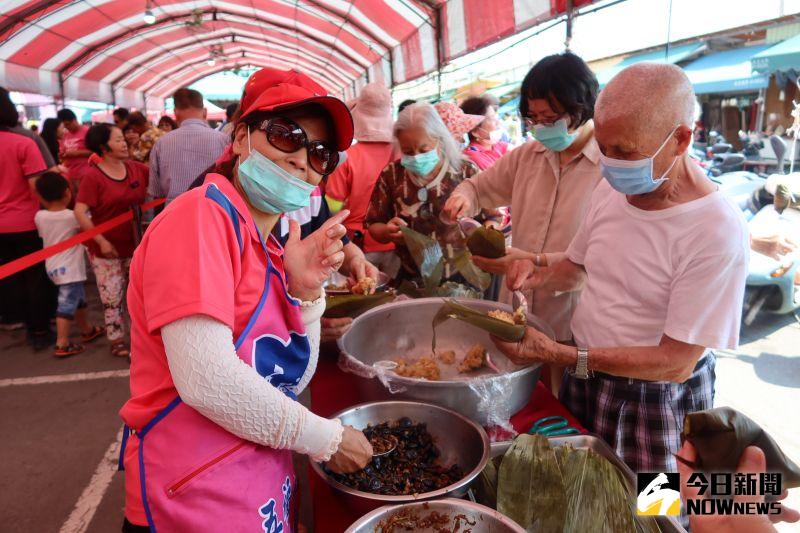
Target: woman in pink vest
[(225, 327)]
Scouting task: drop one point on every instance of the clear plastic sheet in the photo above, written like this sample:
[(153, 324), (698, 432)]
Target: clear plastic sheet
[(493, 391), (383, 370), (494, 399)]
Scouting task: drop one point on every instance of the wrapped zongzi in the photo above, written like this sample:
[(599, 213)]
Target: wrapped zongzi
[(487, 242), (352, 305), (721, 435)]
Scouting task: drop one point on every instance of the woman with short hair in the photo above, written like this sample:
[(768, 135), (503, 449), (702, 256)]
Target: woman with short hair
[(112, 184), (547, 183)]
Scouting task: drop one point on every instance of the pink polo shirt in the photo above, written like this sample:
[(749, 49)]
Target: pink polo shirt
[(484, 158), (191, 262), (20, 160)]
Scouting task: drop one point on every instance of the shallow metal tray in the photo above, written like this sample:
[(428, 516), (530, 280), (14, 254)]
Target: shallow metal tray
[(667, 524)]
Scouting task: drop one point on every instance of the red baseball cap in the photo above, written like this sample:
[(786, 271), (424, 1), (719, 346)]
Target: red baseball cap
[(271, 89)]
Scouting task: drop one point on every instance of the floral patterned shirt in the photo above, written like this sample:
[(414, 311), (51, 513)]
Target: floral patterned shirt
[(398, 194)]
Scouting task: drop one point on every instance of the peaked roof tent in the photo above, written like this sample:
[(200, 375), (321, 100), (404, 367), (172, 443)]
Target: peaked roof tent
[(104, 50)]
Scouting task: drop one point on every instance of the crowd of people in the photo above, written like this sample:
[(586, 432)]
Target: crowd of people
[(620, 242)]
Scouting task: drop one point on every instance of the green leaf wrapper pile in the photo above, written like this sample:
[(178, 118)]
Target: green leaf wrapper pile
[(721, 435), (498, 328), (430, 260), (550, 489)]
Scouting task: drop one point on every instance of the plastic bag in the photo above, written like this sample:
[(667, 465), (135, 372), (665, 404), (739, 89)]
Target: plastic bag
[(494, 399), (383, 370)]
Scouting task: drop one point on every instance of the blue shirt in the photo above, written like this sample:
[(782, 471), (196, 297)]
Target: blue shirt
[(181, 155)]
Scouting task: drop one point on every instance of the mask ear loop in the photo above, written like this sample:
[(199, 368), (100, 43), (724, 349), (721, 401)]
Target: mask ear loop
[(653, 157)]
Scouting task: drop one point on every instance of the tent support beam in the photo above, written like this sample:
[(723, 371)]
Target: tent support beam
[(570, 18), (439, 49)]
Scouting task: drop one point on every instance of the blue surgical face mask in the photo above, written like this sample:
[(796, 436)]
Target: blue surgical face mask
[(421, 164), (269, 187), (554, 137), (634, 177)]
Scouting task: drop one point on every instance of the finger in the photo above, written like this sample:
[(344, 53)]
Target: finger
[(489, 265), (338, 218), (509, 349), (360, 270), (334, 260), (752, 461), (294, 232), (689, 454), (335, 232), (371, 270), (333, 247), (786, 515)]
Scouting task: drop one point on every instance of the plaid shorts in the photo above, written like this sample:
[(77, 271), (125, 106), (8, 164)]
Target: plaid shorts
[(640, 420)]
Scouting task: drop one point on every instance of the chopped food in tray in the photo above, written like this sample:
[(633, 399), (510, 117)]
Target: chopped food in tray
[(475, 359), (415, 520), (412, 468), (364, 286), (518, 317), (422, 368), (427, 367)]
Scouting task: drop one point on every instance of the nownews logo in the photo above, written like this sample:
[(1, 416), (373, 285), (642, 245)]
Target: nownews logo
[(659, 493)]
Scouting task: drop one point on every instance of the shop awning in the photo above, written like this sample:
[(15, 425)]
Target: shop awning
[(727, 71), (109, 51), (676, 54), (782, 56)]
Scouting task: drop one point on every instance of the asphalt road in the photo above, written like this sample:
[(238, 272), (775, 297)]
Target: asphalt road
[(60, 438)]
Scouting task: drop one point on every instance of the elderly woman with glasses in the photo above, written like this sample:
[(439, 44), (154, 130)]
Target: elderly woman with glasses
[(547, 183), (412, 191), (225, 326)]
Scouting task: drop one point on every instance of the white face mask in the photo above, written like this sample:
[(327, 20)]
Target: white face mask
[(495, 136)]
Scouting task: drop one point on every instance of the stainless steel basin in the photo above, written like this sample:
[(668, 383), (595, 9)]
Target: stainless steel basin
[(403, 328), (460, 441)]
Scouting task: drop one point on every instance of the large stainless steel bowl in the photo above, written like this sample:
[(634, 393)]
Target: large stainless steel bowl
[(460, 441), (403, 328), (486, 520)]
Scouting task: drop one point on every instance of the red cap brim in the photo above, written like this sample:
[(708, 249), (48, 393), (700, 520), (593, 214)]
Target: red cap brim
[(340, 115)]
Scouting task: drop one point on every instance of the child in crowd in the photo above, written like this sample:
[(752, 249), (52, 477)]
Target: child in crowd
[(67, 269)]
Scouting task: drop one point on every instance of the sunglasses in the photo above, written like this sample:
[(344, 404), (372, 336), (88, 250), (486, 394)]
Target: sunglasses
[(286, 136)]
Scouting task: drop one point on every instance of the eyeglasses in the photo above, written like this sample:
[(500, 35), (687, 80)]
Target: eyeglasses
[(530, 122), (288, 137)]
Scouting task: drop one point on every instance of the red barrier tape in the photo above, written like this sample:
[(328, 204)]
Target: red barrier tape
[(18, 265)]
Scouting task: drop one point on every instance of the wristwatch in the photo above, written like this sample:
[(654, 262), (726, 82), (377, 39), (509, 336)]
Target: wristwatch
[(582, 365)]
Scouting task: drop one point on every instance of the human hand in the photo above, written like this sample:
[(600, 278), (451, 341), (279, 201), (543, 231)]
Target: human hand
[(359, 268), (457, 206), (332, 329), (108, 250), (393, 230), (752, 461), (310, 261), (774, 246), (354, 453), (535, 347), (522, 274), (500, 265)]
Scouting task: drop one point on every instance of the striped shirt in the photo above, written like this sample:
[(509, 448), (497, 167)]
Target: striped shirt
[(180, 156)]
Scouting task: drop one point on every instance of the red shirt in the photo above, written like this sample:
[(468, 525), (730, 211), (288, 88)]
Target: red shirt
[(20, 160), (107, 198), (76, 166), (353, 182), (484, 158)]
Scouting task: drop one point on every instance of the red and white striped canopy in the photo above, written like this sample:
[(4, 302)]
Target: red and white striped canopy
[(102, 50)]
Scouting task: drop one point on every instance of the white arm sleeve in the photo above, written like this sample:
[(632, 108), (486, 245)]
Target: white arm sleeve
[(211, 378)]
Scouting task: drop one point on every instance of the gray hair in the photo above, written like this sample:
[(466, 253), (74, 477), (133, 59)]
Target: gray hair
[(653, 97), (424, 114)]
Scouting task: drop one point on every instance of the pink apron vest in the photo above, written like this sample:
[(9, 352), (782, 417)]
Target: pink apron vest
[(195, 475)]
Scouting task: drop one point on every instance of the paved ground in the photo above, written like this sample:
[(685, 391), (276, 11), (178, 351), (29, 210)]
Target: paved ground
[(60, 438)]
